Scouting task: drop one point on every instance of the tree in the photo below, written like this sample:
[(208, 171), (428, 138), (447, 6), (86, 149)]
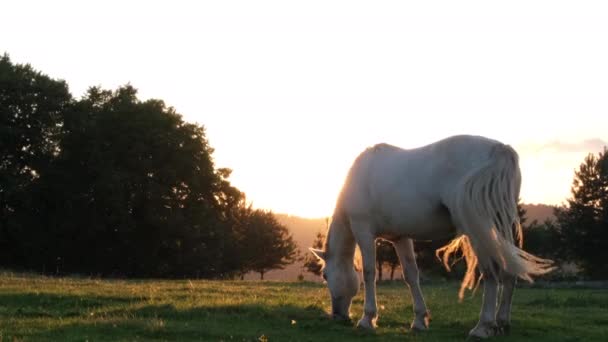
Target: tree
[(265, 244), (312, 264), (583, 223), (31, 108), (112, 185), (542, 239), (393, 262), (281, 248), (539, 239), (385, 254), (134, 191)]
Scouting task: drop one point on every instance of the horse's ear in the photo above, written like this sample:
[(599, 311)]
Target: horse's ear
[(318, 253)]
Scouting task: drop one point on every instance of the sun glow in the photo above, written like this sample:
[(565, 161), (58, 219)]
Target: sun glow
[(290, 93)]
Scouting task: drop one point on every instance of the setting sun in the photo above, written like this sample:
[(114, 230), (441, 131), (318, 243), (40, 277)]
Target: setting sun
[(291, 94)]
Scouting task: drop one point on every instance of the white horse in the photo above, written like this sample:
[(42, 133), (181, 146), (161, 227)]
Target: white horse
[(463, 186)]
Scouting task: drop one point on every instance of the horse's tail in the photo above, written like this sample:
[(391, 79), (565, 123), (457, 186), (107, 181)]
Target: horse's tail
[(484, 209)]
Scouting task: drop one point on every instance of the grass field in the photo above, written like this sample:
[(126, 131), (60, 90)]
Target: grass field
[(70, 309)]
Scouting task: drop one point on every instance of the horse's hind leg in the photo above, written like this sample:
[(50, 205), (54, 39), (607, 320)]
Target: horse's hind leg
[(503, 317), (486, 327), (405, 250)]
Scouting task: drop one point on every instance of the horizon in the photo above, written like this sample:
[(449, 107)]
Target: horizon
[(290, 94)]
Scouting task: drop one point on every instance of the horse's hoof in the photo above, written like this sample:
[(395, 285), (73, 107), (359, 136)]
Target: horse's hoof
[(504, 328), (421, 323), (367, 323), (482, 331), (414, 327), (339, 318), (417, 326)]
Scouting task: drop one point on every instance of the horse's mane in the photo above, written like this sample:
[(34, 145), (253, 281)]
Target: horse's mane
[(357, 259)]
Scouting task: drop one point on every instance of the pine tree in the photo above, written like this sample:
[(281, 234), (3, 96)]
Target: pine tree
[(583, 223)]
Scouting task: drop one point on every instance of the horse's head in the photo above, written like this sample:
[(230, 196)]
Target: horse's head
[(342, 281)]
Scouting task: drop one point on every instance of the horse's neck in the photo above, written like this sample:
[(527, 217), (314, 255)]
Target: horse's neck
[(340, 241)]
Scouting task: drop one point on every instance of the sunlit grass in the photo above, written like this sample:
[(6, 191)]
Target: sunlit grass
[(73, 309)]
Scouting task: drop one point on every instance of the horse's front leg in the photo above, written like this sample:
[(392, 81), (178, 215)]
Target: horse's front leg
[(367, 244), (503, 317), (407, 257), (486, 327)]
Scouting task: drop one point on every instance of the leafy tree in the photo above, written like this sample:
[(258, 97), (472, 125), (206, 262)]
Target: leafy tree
[(393, 262), (112, 185), (542, 239), (31, 107), (265, 244), (385, 254), (583, 223), (135, 192)]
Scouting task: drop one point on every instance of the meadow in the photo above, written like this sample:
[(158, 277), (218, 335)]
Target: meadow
[(37, 308)]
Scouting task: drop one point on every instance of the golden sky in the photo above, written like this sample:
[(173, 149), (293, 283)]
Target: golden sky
[(291, 92)]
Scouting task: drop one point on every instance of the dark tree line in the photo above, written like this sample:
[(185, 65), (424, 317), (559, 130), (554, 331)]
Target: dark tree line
[(111, 185)]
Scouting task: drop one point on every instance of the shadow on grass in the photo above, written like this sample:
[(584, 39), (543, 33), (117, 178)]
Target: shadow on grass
[(73, 318), (229, 322), (33, 305), (52, 317)]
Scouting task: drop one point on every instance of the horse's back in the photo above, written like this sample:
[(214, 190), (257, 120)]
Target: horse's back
[(404, 190), (424, 171)]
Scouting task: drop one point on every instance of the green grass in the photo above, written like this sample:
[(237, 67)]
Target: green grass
[(70, 309)]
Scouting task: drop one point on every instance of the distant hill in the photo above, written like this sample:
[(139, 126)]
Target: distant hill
[(305, 229), (539, 212)]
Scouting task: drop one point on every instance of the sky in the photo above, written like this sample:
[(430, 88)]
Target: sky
[(290, 92)]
